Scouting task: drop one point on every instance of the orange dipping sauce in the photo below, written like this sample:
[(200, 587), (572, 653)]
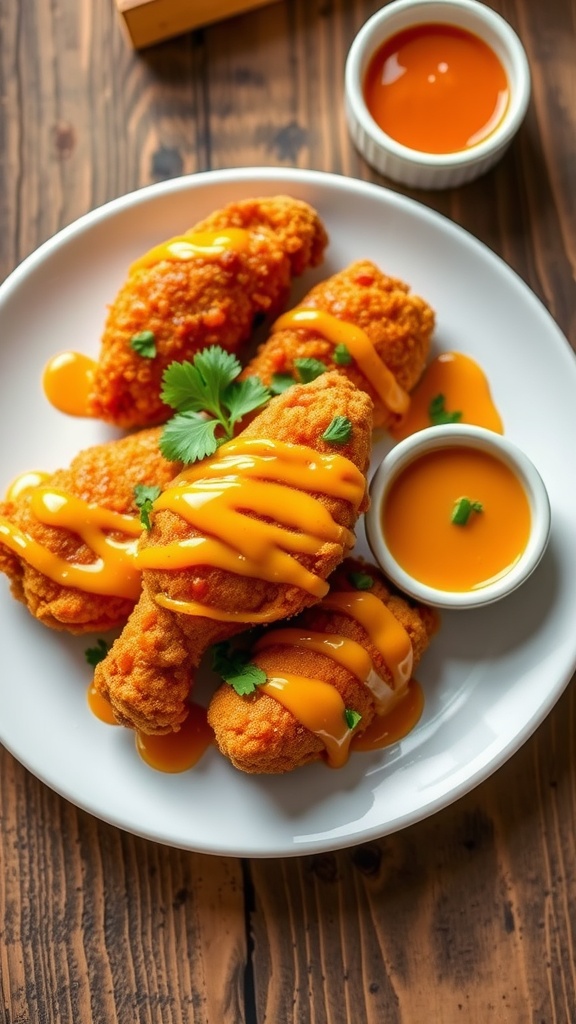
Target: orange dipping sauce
[(418, 527), (436, 88)]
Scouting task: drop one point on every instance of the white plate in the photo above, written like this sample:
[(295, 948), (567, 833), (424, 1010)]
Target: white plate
[(490, 676)]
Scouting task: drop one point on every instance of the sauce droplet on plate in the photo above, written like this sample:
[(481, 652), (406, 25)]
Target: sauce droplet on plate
[(67, 382), (177, 751), (462, 384)]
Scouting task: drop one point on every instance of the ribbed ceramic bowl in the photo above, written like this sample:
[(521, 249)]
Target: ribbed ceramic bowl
[(432, 170), (456, 435)]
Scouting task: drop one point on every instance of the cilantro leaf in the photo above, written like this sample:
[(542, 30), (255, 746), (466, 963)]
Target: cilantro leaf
[(144, 497), (243, 396), (94, 655), (438, 414), (207, 385), (352, 718), (199, 385), (342, 355), (236, 669), (309, 369), (281, 382), (188, 437), (361, 580), (339, 431), (144, 343)]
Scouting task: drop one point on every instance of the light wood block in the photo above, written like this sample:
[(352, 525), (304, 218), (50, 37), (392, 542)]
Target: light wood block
[(149, 21)]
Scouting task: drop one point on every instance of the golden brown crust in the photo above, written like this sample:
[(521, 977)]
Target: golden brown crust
[(257, 734), (106, 475), (398, 323), (138, 665), (191, 305)]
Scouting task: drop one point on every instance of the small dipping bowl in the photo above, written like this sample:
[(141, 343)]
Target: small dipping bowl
[(413, 167), (458, 543)]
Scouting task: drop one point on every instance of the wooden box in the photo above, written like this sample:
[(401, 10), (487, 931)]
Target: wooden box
[(149, 21)]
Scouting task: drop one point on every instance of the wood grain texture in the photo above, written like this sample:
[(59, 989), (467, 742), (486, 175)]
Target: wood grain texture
[(466, 917)]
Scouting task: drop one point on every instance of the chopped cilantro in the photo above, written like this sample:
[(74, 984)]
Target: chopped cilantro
[(339, 431), (144, 497), (144, 343), (309, 369), (281, 382), (236, 669), (352, 718), (94, 655), (463, 509), (438, 414), (342, 355), (305, 370), (361, 580), (206, 387)]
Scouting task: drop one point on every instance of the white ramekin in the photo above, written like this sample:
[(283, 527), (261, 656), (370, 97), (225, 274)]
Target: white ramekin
[(453, 435), (432, 170)]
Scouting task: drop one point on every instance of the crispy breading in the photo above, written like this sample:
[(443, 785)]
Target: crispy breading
[(105, 475), (147, 674), (398, 323), (257, 733), (191, 304)]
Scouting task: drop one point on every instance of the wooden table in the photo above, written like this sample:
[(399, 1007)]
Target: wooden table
[(468, 916)]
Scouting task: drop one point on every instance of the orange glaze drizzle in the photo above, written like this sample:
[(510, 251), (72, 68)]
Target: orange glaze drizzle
[(243, 498), (196, 245), (397, 723), (177, 751), (25, 482), (465, 389), (387, 634), (320, 709), (67, 382), (358, 343), (113, 571)]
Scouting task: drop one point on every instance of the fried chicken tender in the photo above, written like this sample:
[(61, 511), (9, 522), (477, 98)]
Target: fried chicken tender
[(258, 734), (104, 475), (146, 675), (190, 304), (398, 324)]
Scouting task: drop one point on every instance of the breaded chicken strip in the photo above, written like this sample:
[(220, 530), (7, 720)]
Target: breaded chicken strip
[(146, 676), (104, 477), (183, 305), (258, 734), (398, 324)]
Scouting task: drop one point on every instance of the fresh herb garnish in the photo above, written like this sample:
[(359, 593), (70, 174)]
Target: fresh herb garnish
[(338, 431), (207, 398), (438, 414), (144, 343), (306, 370), (144, 497), (352, 718), (342, 355), (236, 669), (361, 580), (281, 382), (309, 369), (94, 655), (463, 509)]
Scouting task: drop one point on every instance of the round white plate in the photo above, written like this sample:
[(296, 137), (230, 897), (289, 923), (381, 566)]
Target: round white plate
[(490, 676)]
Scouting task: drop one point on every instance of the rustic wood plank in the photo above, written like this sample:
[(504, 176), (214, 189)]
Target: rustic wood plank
[(99, 925), (469, 916)]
